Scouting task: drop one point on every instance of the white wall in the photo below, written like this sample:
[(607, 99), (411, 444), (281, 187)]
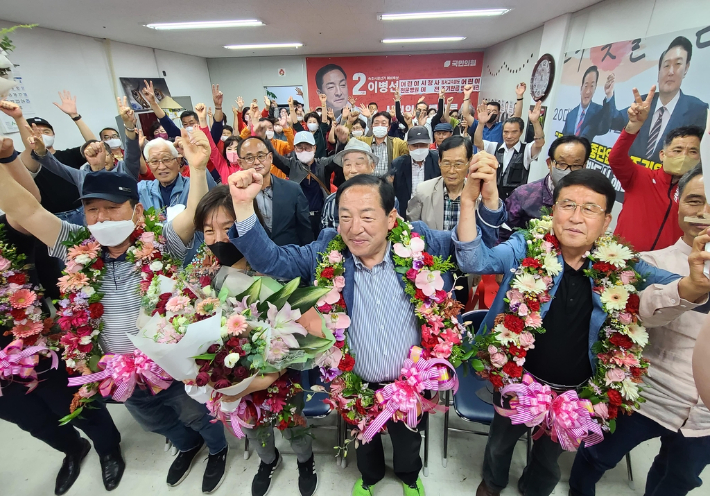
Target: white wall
[(51, 61)]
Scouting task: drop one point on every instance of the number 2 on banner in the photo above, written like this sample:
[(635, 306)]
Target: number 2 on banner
[(360, 78)]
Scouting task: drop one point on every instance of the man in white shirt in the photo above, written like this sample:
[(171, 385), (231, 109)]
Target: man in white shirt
[(513, 155)]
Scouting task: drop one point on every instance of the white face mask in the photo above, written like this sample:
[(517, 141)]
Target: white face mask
[(269, 133), (113, 143), (418, 154), (224, 137), (299, 117), (379, 131), (305, 157), (357, 133), (402, 127), (112, 232), (189, 129), (313, 126), (47, 140), (320, 113)]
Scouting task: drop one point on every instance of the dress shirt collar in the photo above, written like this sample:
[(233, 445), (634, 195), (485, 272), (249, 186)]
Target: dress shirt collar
[(683, 247), (505, 148), (387, 261), (670, 106)]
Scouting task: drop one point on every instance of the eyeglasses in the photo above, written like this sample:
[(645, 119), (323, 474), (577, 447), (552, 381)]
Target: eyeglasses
[(563, 166), (453, 165), (156, 163), (249, 159), (590, 210)]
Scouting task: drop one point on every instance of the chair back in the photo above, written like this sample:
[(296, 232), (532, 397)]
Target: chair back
[(314, 408), (475, 317)]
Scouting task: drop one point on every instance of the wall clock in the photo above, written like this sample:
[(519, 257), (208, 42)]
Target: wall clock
[(543, 75)]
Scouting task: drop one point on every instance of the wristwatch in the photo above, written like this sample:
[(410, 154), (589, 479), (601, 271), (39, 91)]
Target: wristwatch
[(76, 118)]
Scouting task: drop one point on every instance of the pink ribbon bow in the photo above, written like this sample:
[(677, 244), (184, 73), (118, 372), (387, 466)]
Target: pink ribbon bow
[(565, 417), (122, 373), (16, 361), (404, 396), (236, 419)]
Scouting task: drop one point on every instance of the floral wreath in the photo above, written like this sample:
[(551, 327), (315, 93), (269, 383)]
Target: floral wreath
[(80, 309), (620, 366), (435, 309)]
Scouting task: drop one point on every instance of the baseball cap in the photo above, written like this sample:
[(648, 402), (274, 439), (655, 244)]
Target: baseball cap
[(304, 137), (444, 126), (355, 145), (40, 122), (418, 134), (116, 187)]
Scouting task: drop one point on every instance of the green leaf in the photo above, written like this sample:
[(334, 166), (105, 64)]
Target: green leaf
[(282, 295), (612, 425), (304, 298), (476, 364), (65, 420), (205, 356), (94, 363), (401, 270), (223, 295), (252, 292)]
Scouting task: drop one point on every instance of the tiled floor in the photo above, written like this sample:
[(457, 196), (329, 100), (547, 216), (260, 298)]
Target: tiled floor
[(28, 467)]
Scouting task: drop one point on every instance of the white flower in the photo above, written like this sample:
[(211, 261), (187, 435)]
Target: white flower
[(551, 264), (70, 363), (85, 340), (629, 390), (88, 291), (615, 298), (526, 283), (614, 253), (95, 333), (231, 360), (505, 335), (83, 259), (156, 266), (638, 334), (545, 223)]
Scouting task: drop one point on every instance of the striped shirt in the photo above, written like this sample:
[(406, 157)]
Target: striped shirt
[(120, 287), (417, 175), (380, 150), (451, 211)]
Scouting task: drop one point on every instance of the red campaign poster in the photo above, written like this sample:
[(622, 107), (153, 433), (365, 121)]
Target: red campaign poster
[(375, 78)]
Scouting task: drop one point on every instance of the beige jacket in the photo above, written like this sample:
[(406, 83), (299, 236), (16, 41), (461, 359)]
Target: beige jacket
[(672, 399), (427, 204)]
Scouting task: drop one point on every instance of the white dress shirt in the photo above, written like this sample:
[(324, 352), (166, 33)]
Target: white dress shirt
[(417, 175), (490, 147), (670, 106)]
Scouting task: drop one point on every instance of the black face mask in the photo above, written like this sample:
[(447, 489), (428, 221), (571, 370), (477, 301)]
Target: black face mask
[(493, 118), (226, 253)]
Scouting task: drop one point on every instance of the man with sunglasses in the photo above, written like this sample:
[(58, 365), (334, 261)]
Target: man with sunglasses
[(526, 202)]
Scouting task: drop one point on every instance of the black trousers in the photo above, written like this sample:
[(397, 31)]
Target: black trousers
[(39, 412), (542, 474), (405, 445), (315, 222)]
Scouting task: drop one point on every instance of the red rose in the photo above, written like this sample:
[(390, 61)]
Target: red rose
[(637, 372), (419, 295), (202, 379), (205, 281), (496, 380), (412, 274), (517, 351), (327, 273), (96, 310), (84, 331), (632, 304), (340, 344), (514, 323), (551, 238), (213, 348), (347, 363), (428, 260), (283, 425), (533, 305), (17, 279), (222, 383), (189, 294), (531, 262), (233, 342), (98, 264), (18, 313), (85, 348), (621, 341), (30, 340), (241, 373), (512, 369), (603, 267), (205, 367), (613, 411), (614, 397)]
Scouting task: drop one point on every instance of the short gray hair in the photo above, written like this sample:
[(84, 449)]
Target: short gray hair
[(688, 176), (156, 142)]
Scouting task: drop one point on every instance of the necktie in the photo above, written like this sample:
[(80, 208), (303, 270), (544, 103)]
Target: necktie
[(655, 131), (581, 120)]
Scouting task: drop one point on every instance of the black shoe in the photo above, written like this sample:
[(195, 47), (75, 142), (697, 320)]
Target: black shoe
[(262, 480), (71, 466), (307, 477), (112, 467), (182, 465), (215, 471)]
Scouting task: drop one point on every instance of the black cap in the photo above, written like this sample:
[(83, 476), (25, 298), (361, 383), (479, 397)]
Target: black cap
[(116, 187), (418, 134), (39, 121)]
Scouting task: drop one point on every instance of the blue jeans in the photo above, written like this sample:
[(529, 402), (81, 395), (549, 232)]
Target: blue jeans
[(73, 216), (173, 414), (675, 470)]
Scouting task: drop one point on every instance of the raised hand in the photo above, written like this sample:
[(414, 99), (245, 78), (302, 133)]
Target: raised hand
[(408, 118), (342, 133), (365, 110), (483, 114), (68, 105), (442, 93), (467, 90), (638, 111), (520, 89), (148, 92), (450, 100), (345, 114), (217, 96), (267, 102), (35, 140), (201, 111), (209, 112), (609, 85), (299, 92), (7, 146), (330, 114), (534, 114), (696, 285), (10, 109), (244, 186), (397, 94), (141, 138), (240, 103), (259, 129), (126, 112), (481, 178), (352, 100), (323, 98), (421, 99), (95, 154), (195, 147)]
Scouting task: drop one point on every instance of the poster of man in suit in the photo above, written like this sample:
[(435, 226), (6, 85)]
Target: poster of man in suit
[(596, 91)]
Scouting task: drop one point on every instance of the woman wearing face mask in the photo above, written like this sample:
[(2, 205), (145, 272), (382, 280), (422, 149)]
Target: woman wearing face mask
[(157, 130)]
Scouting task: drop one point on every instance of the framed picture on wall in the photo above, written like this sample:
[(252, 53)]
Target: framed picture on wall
[(282, 93)]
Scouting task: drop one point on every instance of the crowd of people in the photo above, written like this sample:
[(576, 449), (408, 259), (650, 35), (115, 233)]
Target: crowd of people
[(269, 193)]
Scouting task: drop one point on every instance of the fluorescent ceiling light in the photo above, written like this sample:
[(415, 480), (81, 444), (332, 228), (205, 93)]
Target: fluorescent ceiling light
[(205, 24), (442, 15), (424, 40), (264, 45)]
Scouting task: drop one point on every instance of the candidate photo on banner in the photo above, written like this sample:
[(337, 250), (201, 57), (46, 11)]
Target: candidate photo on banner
[(596, 91), (375, 79)]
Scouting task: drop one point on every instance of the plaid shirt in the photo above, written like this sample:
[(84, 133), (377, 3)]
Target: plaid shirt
[(451, 211), (526, 202), (381, 151)]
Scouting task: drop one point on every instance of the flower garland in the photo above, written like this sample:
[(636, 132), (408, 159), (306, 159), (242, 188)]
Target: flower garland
[(620, 366), (435, 309)]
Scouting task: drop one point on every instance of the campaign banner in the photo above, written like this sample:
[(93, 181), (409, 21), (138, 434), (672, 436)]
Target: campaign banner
[(596, 91), (375, 79)]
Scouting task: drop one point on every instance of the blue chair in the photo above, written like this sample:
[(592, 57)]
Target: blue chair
[(466, 403)]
